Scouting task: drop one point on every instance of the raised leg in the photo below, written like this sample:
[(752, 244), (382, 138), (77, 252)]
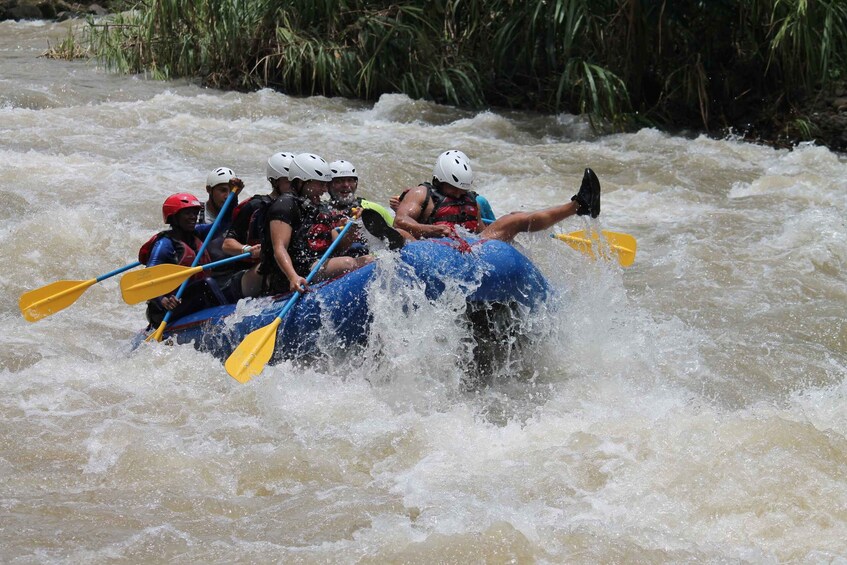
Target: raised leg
[(585, 202)]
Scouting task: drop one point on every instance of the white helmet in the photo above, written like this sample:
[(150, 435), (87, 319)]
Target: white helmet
[(221, 175), (307, 166), (278, 164), (457, 153), (343, 169), (453, 169)]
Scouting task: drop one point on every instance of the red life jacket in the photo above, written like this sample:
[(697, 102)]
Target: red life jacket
[(185, 253), (449, 211), (318, 234)]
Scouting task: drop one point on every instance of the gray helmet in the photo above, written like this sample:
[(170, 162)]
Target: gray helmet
[(453, 169), (278, 164), (308, 166)]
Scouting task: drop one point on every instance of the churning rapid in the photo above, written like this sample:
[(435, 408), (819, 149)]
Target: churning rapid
[(692, 407)]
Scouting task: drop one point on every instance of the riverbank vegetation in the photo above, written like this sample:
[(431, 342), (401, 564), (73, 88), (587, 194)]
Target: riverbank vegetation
[(757, 66)]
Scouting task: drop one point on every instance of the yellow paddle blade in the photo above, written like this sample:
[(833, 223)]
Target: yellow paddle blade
[(249, 359), (620, 245), (157, 335), (151, 282), (49, 299)]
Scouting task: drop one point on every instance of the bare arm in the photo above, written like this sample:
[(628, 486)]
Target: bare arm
[(411, 211), (280, 238), (232, 246)]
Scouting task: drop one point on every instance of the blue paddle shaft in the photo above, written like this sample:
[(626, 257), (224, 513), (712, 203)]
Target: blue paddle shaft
[(118, 271), (226, 261), (209, 237)]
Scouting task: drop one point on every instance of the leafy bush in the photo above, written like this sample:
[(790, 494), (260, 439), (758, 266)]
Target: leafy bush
[(618, 61)]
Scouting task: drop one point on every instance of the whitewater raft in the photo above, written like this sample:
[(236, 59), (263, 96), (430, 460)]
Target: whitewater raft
[(490, 272)]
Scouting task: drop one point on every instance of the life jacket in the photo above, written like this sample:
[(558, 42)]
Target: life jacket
[(310, 239), (185, 253), (316, 230), (255, 224), (340, 213), (450, 211)]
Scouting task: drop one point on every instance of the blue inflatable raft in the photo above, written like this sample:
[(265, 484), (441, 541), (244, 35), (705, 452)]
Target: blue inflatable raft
[(493, 273)]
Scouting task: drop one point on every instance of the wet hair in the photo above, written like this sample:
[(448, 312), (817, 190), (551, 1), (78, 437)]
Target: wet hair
[(297, 187)]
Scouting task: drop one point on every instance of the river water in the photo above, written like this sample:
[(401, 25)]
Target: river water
[(692, 407)]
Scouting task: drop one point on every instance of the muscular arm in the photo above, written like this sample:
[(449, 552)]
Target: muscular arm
[(412, 210)]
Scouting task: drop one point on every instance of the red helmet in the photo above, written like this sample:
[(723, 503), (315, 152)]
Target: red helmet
[(176, 202)]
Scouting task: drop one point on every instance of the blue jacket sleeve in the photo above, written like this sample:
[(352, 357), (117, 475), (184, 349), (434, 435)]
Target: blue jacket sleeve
[(485, 209), (163, 252), (202, 230)]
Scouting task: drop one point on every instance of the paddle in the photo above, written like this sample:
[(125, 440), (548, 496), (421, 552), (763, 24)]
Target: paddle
[(249, 359), (158, 280), (49, 299), (621, 245), (234, 189)]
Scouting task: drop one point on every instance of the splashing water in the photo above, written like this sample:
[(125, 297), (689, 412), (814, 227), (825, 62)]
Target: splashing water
[(689, 408)]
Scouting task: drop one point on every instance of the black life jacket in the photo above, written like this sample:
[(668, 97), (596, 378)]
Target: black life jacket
[(255, 231), (340, 213), (311, 239), (315, 233), (256, 224)]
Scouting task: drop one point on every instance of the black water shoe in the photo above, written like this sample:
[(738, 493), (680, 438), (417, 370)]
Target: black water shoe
[(588, 196), (379, 228)]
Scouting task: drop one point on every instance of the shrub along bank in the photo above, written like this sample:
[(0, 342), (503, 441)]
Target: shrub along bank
[(767, 69)]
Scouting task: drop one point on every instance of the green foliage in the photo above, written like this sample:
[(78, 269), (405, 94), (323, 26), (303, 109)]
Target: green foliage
[(686, 63), (800, 127)]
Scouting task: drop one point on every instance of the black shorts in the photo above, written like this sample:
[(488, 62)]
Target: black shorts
[(275, 283), (230, 284), (204, 293)]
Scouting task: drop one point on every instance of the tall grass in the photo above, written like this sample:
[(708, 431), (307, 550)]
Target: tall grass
[(69, 48), (618, 61)]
